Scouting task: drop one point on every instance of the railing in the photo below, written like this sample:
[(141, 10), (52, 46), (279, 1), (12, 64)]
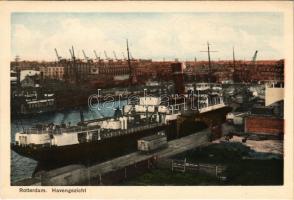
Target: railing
[(59, 130), (105, 133), (183, 166), (113, 133), (211, 107), (80, 129)]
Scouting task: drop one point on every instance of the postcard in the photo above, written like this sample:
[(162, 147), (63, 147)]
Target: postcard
[(146, 100)]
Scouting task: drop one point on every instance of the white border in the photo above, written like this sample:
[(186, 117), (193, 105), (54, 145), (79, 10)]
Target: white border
[(216, 192)]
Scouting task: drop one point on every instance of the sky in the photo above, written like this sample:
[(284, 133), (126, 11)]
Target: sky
[(154, 36)]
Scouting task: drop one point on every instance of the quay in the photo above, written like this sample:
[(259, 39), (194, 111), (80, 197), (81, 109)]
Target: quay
[(117, 169)]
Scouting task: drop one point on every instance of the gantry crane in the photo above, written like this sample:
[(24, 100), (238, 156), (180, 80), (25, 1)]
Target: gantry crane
[(254, 57), (114, 54), (85, 56), (97, 57), (58, 57)]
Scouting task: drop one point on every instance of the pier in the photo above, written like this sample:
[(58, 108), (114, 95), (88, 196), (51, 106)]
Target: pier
[(117, 169)]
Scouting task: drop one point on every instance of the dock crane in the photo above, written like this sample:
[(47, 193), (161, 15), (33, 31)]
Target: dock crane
[(74, 67), (97, 57), (72, 52), (254, 57), (123, 55), (132, 77), (85, 56), (131, 56), (71, 55), (114, 54), (58, 57), (105, 54)]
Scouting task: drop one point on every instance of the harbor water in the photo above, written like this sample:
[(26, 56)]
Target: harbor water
[(23, 167)]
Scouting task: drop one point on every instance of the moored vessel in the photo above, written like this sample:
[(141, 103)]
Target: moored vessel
[(99, 139)]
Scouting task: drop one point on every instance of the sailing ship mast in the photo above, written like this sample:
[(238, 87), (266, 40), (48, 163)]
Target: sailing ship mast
[(209, 62)]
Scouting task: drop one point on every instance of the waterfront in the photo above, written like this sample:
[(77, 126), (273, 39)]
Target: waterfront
[(23, 167)]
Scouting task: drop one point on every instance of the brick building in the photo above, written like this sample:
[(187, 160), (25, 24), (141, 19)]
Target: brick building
[(268, 71), (52, 71), (244, 71), (264, 125)]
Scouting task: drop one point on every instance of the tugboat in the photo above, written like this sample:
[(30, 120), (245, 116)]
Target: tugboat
[(31, 103), (28, 96)]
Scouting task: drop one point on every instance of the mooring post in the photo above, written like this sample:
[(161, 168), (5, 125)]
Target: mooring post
[(100, 179), (125, 172)]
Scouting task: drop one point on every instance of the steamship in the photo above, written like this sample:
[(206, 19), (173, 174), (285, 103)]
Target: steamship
[(100, 138)]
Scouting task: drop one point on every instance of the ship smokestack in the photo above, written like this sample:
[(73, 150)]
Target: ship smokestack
[(18, 77), (82, 116), (177, 69)]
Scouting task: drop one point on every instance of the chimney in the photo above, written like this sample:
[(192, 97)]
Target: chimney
[(18, 77), (177, 69)]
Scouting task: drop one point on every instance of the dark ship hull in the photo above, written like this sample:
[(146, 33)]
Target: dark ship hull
[(89, 151), (101, 150)]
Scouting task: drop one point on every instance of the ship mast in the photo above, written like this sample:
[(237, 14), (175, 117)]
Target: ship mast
[(234, 66), (129, 64), (234, 61), (209, 61), (74, 66)]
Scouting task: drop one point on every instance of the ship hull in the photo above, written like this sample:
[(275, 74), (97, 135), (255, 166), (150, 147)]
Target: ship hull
[(102, 150), (85, 152)]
